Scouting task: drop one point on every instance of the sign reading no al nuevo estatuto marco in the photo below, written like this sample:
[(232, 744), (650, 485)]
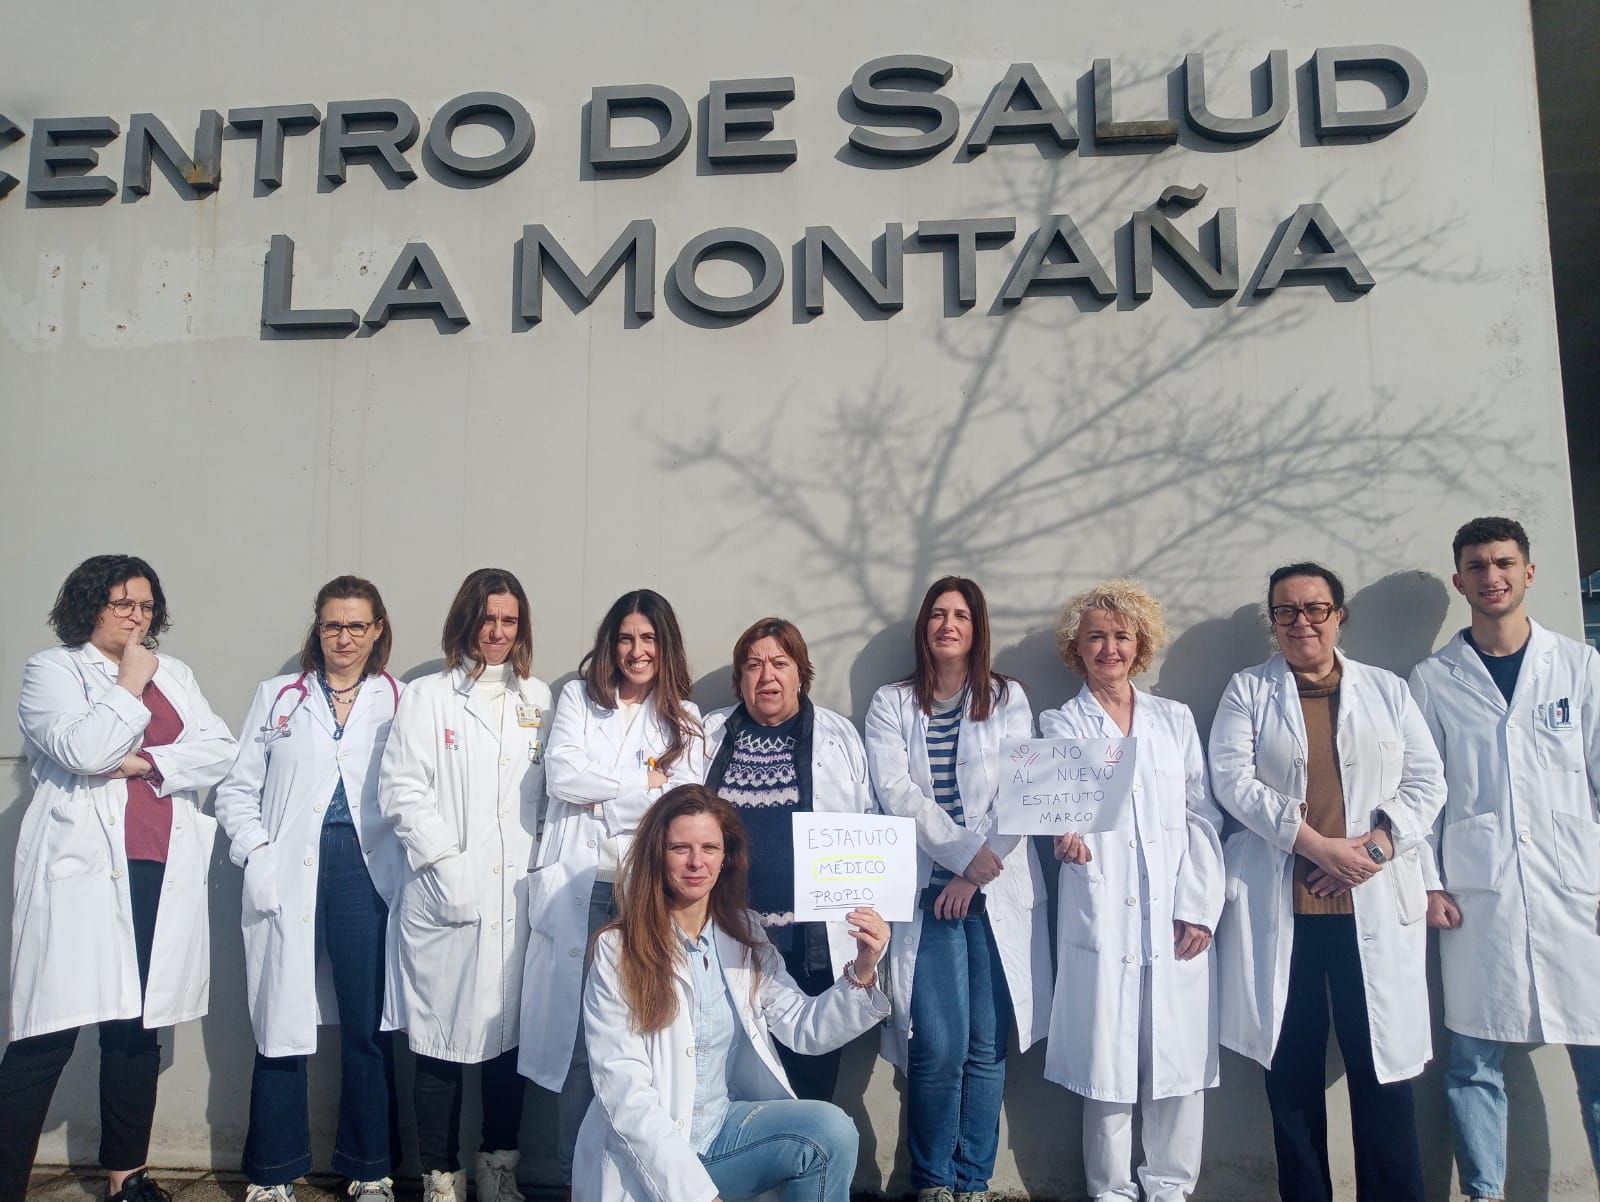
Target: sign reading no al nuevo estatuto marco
[(1061, 786), (895, 111)]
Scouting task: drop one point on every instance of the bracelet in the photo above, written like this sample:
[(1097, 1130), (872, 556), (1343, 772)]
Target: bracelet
[(850, 975)]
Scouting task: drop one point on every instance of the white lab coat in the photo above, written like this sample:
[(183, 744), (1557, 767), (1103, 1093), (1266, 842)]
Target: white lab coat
[(1258, 773), (596, 758), (838, 786), (897, 751), (1518, 842), (453, 782), (1115, 916), (634, 1143), (276, 794), (72, 950)]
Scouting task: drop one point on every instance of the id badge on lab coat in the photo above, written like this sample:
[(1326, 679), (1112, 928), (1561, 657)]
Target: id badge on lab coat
[(529, 717)]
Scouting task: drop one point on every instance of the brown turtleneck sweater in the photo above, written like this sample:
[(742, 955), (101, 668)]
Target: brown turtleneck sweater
[(1319, 702)]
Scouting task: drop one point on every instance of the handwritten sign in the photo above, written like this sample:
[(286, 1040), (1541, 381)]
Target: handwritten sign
[(1056, 786), (842, 861)]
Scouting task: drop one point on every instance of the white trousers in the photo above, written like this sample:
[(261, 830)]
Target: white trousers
[(1173, 1130)]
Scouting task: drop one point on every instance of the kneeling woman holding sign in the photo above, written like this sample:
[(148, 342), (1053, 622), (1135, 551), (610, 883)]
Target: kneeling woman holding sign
[(1135, 1017), (682, 1004), (976, 953)]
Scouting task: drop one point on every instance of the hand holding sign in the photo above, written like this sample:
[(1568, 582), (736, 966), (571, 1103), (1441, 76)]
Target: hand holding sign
[(1072, 849), (871, 933), (1063, 786), (848, 862)]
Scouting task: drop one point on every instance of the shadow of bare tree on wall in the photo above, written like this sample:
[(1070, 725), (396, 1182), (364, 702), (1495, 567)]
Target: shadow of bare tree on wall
[(1146, 439), (1056, 446)]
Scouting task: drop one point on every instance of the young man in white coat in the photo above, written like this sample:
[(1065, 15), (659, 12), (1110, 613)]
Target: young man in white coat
[(1514, 884)]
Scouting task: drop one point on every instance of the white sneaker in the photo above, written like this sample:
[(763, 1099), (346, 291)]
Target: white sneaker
[(497, 1177), (440, 1186), (382, 1189), (269, 1193)]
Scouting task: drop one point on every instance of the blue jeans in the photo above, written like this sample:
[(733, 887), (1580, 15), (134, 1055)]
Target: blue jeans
[(806, 1149), (1476, 1089), (956, 1075), (350, 922)]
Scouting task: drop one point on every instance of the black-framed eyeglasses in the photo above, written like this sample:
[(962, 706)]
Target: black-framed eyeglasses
[(1316, 613), (123, 607), (356, 630)]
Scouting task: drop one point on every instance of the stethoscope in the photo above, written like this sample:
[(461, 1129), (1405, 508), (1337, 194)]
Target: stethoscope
[(278, 728)]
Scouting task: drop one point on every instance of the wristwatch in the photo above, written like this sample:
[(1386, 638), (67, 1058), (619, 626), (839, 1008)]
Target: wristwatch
[(1376, 852)]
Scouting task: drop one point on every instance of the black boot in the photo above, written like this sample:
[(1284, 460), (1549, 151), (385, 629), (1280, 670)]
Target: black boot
[(139, 1187)]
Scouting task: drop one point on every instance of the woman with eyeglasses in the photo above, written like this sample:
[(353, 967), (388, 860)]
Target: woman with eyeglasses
[(463, 783), (300, 809), (1331, 770), (110, 924), (625, 731)]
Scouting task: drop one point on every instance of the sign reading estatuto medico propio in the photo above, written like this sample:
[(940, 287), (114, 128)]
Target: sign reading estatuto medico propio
[(844, 861), (898, 113), (1062, 786)]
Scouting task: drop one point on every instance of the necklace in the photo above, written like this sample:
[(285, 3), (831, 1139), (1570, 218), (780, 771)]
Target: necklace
[(342, 694)]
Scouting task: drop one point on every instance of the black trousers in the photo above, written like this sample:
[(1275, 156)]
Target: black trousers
[(130, 1059), (437, 1095), (1326, 968), (812, 1078)]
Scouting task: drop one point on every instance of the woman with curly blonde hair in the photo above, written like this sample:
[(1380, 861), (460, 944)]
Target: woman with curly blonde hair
[(1134, 1020)]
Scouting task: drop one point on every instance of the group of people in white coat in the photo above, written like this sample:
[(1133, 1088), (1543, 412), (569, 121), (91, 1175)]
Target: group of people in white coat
[(597, 896)]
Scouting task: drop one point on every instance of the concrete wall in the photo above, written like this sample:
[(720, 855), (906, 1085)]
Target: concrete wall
[(823, 467)]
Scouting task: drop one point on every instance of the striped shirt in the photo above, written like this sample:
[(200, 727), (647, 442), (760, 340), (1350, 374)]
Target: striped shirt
[(944, 735)]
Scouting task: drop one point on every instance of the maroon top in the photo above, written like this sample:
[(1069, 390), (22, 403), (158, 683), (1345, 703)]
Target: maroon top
[(148, 818)]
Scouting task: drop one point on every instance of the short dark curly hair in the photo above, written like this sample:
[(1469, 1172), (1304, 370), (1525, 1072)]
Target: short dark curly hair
[(1482, 531), (87, 590)]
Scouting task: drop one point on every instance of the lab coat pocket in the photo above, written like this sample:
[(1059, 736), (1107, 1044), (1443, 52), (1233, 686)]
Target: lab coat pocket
[(1236, 849), (260, 893), (1559, 750), (1082, 891), (543, 885), (1391, 762), (1171, 800), (1472, 853), (1577, 838), (194, 835), (438, 895), (75, 844), (1410, 895)]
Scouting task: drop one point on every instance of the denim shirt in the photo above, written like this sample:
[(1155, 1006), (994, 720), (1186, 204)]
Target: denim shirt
[(715, 1029)]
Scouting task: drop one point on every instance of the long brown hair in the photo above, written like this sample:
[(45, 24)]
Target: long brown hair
[(465, 620), (348, 588), (984, 685), (602, 672), (650, 947)]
